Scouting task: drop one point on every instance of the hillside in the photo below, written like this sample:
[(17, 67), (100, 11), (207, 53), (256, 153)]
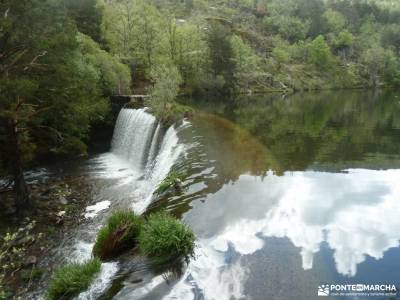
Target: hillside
[(250, 45)]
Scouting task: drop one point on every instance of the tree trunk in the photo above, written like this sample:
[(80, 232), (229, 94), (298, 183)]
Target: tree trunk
[(22, 197)]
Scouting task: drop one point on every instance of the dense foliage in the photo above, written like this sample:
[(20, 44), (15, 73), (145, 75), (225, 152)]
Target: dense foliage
[(53, 80), (259, 45)]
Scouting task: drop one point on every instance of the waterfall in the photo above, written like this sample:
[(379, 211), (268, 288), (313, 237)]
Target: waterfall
[(142, 142), (133, 135), (142, 154), (154, 147)]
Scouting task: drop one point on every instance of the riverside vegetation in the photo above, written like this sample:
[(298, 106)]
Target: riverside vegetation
[(119, 234), (68, 281), (164, 238), (173, 180), (161, 237)]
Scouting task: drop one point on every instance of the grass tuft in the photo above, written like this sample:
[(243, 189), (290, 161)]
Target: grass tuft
[(165, 238), (171, 180), (118, 235), (70, 280)]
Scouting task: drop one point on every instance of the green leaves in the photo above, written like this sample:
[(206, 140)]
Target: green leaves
[(166, 80), (113, 77), (320, 53)]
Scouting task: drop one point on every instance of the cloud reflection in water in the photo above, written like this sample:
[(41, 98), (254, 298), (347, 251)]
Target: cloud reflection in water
[(354, 212)]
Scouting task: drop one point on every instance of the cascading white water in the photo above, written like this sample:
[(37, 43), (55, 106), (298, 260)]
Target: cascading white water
[(142, 155), (154, 145), (133, 134), (141, 142)]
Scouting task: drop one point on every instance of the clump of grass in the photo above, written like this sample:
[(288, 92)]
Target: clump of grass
[(171, 180), (70, 280), (118, 235), (165, 238)]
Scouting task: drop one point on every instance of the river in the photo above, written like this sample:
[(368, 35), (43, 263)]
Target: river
[(284, 193)]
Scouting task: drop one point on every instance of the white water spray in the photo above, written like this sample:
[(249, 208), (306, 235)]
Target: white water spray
[(142, 155)]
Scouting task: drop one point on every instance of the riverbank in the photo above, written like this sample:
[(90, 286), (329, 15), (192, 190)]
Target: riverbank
[(60, 201)]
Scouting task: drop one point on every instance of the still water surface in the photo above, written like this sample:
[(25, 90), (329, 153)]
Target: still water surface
[(286, 193)]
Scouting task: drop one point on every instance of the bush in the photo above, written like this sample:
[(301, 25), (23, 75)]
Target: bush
[(165, 238), (118, 235), (70, 280), (171, 180)]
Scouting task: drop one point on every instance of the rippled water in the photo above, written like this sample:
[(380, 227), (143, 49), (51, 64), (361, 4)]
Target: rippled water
[(283, 193)]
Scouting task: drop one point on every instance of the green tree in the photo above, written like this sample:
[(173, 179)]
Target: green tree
[(166, 79), (391, 37), (246, 61), (320, 53), (335, 21), (187, 49), (313, 11), (114, 76), (375, 60), (88, 17), (281, 56), (291, 28), (221, 54), (343, 43), (48, 96), (132, 29)]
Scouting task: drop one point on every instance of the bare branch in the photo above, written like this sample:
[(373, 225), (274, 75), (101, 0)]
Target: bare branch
[(27, 129), (20, 102), (33, 62), (16, 59), (36, 112)]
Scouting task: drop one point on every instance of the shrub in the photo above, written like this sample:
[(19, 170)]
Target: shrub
[(171, 180), (118, 235), (165, 238), (70, 280)]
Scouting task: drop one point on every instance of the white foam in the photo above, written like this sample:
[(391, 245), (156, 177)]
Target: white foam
[(101, 283), (81, 253), (93, 210)]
